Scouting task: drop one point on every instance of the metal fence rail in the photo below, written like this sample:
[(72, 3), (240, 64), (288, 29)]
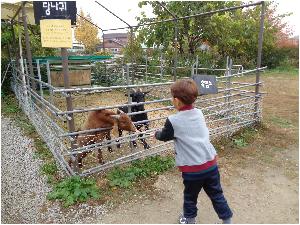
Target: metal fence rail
[(226, 112)]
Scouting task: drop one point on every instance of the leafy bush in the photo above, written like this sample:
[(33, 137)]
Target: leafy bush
[(106, 75), (42, 149), (245, 136), (74, 189), (124, 177), (103, 53), (240, 142)]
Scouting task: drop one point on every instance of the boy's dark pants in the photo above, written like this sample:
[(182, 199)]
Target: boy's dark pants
[(210, 182)]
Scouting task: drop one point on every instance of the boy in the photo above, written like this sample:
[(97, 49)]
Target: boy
[(195, 155)]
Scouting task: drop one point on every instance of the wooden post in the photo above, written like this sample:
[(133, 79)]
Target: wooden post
[(71, 125), (14, 43), (175, 53), (27, 42)]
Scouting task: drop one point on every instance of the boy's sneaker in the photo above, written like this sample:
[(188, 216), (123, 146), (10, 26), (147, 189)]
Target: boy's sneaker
[(183, 220), (227, 221)]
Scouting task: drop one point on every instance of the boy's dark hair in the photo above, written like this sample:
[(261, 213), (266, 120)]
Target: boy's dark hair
[(185, 90)]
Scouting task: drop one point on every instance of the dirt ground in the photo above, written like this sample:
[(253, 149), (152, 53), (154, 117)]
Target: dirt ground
[(260, 181)]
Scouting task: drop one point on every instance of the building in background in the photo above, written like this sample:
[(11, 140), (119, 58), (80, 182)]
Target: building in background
[(114, 42), (77, 48)]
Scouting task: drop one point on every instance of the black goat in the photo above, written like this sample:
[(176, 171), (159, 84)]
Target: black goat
[(137, 97)]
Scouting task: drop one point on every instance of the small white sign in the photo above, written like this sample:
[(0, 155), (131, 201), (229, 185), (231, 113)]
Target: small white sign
[(205, 83)]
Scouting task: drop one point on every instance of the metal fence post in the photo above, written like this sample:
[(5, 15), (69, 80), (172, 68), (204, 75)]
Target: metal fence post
[(129, 99), (197, 64), (161, 65), (40, 77), (105, 73), (132, 57), (49, 81), (259, 54), (228, 92), (146, 68), (24, 67)]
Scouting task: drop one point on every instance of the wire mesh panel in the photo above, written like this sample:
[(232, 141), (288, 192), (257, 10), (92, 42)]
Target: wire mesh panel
[(232, 108)]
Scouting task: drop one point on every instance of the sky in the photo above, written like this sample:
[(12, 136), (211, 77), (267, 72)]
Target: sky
[(128, 10), (125, 9)]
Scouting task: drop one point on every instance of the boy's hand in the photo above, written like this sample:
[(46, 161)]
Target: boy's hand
[(155, 134)]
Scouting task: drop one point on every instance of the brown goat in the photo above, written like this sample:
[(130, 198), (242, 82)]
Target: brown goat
[(101, 119)]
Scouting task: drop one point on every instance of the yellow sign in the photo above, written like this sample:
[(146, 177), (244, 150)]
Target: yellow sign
[(56, 33)]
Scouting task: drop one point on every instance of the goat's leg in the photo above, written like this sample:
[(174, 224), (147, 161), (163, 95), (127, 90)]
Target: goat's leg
[(71, 161), (120, 135), (146, 126), (108, 137), (145, 144), (100, 157), (138, 127), (80, 157), (81, 142)]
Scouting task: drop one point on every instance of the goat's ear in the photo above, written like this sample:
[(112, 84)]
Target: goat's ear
[(119, 111), (146, 92)]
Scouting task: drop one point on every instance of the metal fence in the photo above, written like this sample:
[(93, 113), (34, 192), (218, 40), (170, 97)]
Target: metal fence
[(235, 106)]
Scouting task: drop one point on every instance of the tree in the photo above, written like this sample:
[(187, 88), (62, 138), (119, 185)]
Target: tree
[(9, 48), (133, 51), (86, 33), (231, 33), (191, 31)]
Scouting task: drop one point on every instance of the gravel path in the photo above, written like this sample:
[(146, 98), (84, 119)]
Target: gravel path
[(24, 190)]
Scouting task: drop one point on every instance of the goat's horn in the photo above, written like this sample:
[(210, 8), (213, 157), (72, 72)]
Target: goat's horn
[(119, 111)]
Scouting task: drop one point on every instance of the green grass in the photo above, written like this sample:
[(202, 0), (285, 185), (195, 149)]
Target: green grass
[(281, 122), (245, 136), (292, 71), (239, 142), (42, 149), (9, 106), (240, 139), (49, 168)]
